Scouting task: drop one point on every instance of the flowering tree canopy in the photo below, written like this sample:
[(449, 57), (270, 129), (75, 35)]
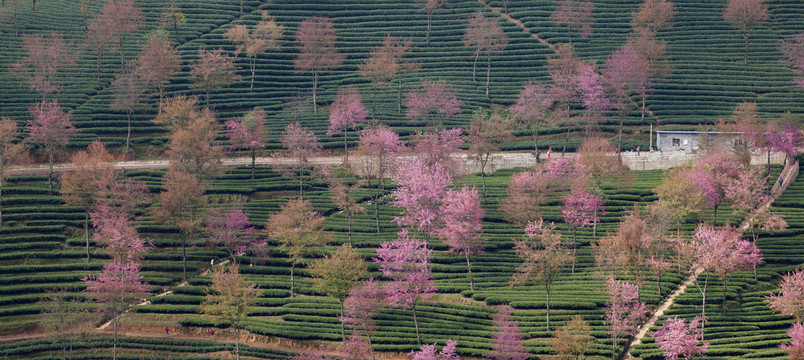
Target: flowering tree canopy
[(677, 338)]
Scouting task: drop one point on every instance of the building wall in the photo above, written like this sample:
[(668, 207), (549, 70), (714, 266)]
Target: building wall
[(688, 142)]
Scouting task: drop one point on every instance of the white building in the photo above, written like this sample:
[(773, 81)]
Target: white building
[(690, 141)]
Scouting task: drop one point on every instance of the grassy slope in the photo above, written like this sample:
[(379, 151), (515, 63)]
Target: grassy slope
[(706, 54)]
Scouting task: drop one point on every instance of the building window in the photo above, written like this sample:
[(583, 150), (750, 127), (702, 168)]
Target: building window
[(676, 142)]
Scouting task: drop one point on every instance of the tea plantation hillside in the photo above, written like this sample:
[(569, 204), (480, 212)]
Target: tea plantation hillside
[(708, 80)]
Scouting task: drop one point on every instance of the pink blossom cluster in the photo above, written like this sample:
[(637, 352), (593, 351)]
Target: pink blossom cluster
[(406, 261), (677, 338)]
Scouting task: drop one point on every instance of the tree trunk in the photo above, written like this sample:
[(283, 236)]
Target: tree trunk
[(746, 47), (253, 64), (2, 177), (253, 161), (488, 73), (237, 342), (483, 163), (469, 268), (620, 135), (643, 108), (377, 204), (373, 101), (50, 173), (128, 131), (16, 29), (161, 89), (292, 280), (33, 5), (569, 35), (122, 59), (703, 295), (659, 283), (86, 231), (114, 346), (474, 66), (416, 324), (723, 304), (714, 217), (505, 6), (399, 96), (574, 248), (184, 256), (345, 147), (427, 42), (301, 180), (176, 31), (343, 330), (769, 151), (547, 290), (614, 338), (350, 228), (207, 98), (315, 88), (536, 139), (566, 139), (98, 63), (371, 347)]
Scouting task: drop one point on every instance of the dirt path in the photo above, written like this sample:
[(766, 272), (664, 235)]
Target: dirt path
[(516, 22), (643, 330), (146, 302), (662, 308)]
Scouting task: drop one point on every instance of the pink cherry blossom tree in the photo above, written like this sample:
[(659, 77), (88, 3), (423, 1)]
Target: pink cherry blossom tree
[(793, 49), (722, 251), (527, 192), (787, 140), (544, 256), (51, 128), (574, 14), (711, 172), (379, 146), (796, 344), (488, 132), (419, 192), (748, 192), (302, 144), (790, 299), (356, 347), (116, 287), (365, 300), (347, 110), (594, 96), (507, 343), (563, 69), (429, 352), (677, 338), (406, 262), (231, 230), (439, 147), (433, 102), (532, 108), (44, 58), (623, 310), (317, 52), (581, 209), (626, 73), (460, 225), (248, 132), (116, 235)]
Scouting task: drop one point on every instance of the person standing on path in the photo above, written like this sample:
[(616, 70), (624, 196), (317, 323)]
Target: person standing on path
[(550, 150), (167, 331), (212, 334)]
